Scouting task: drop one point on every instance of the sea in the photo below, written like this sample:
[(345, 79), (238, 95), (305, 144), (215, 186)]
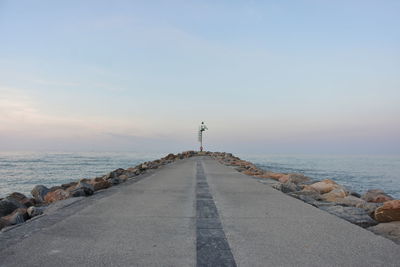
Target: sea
[(21, 171), (357, 172)]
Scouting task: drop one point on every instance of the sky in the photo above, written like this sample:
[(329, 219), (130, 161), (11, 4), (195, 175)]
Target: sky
[(301, 76)]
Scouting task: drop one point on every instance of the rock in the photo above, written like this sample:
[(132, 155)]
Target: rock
[(390, 230), (54, 188), (115, 173), (290, 187), (355, 194), (325, 186), (313, 194), (351, 201), (369, 207), (296, 178), (272, 175), (335, 195), (351, 214), (68, 185), (38, 193), (22, 199), (169, 157), (253, 172), (99, 183), (8, 206), (35, 211), (123, 178), (18, 216), (390, 211), (114, 181), (320, 204), (82, 189), (132, 172), (142, 167), (376, 196), (307, 199), (4, 223), (56, 195)]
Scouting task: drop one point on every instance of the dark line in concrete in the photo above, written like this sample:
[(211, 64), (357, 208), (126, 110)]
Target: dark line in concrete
[(211, 244)]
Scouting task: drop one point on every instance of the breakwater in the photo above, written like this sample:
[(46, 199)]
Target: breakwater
[(374, 209)]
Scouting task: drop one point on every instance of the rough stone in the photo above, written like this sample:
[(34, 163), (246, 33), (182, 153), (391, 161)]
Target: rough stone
[(54, 188), (38, 192), (123, 177), (17, 216), (56, 195), (114, 181), (82, 189), (390, 211), (376, 196), (35, 211), (390, 230), (68, 185), (335, 195), (355, 194), (99, 183), (272, 175), (325, 186), (4, 223), (289, 187), (296, 178), (351, 214), (351, 201), (313, 194), (8, 206), (252, 172), (170, 157), (21, 198), (369, 207)]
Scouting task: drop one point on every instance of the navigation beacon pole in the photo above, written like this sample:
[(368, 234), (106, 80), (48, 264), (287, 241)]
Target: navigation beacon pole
[(202, 128)]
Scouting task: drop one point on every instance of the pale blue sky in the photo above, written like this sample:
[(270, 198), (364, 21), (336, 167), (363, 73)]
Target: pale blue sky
[(312, 76)]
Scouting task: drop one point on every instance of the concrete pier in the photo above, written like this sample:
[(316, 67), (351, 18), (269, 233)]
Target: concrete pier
[(193, 212)]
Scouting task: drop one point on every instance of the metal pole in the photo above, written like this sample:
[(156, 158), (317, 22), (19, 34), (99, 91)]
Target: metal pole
[(201, 141)]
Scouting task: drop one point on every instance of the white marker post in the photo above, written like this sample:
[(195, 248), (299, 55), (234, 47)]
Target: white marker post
[(202, 128)]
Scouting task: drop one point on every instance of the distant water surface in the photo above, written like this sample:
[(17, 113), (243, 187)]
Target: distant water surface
[(21, 171), (357, 172)]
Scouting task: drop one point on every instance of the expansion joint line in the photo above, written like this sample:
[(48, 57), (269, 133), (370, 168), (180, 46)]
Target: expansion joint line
[(211, 244)]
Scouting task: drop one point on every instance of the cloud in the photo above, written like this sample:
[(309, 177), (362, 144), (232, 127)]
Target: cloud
[(20, 114)]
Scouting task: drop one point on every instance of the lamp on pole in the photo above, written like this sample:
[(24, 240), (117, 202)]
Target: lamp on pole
[(202, 128)]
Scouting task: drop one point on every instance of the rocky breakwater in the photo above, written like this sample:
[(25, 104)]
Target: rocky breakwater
[(18, 208), (375, 210)]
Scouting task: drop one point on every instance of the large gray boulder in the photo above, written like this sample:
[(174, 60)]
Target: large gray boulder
[(369, 207), (351, 214), (286, 187), (298, 178), (38, 192), (376, 196), (82, 189), (351, 201), (7, 206), (21, 198)]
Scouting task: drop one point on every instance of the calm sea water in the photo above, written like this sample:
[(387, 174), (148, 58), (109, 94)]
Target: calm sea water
[(358, 173), (22, 171)]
